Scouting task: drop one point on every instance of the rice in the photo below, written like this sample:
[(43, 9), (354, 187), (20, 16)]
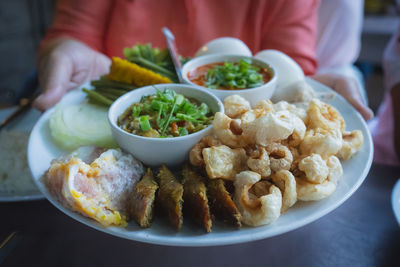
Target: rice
[(15, 176)]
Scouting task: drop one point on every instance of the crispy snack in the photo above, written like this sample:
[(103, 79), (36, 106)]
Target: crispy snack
[(224, 162), (286, 182), (221, 203), (259, 202), (227, 131), (307, 191), (315, 168), (321, 141), (280, 157), (269, 128), (126, 72), (323, 115), (196, 156), (235, 105), (195, 198), (142, 200), (352, 142), (259, 162), (169, 197)]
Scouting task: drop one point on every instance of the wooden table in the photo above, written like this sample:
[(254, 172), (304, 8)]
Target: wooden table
[(361, 232)]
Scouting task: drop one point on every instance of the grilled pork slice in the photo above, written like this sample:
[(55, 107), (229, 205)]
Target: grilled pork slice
[(169, 197), (195, 198), (142, 200), (221, 203)]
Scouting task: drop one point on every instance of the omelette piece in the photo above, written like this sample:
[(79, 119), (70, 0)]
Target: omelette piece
[(221, 203), (195, 198), (169, 197), (142, 200), (98, 189)]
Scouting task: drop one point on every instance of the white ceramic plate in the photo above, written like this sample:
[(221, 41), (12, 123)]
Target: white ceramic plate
[(396, 201), (22, 124), (41, 150)]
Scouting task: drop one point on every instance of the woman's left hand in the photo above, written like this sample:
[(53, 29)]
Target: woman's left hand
[(348, 88)]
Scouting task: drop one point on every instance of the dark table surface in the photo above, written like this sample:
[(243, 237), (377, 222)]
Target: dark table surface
[(361, 232)]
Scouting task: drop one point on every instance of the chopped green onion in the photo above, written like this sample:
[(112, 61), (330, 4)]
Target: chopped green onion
[(144, 123)]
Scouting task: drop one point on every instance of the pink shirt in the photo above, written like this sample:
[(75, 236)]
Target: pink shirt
[(109, 26), (382, 127)]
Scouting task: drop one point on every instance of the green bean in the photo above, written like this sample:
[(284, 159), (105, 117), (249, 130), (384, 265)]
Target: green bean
[(150, 65), (97, 97), (108, 83)]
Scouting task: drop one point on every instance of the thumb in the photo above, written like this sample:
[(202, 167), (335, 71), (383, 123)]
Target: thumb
[(365, 111), (54, 76)]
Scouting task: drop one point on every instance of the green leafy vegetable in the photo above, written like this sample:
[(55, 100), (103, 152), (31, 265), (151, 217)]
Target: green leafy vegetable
[(234, 76), (166, 112)]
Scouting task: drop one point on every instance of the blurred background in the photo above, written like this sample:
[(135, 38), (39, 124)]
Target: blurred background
[(24, 22)]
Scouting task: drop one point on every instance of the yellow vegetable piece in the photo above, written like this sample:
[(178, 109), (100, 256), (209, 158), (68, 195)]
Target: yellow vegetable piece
[(126, 72)]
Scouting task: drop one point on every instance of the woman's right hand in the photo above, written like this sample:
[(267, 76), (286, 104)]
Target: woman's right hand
[(63, 65)]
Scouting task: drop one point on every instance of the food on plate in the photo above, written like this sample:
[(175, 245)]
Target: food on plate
[(165, 114), (195, 198), (230, 75), (259, 202), (285, 151), (141, 201), (170, 197), (228, 130), (143, 65), (123, 71), (352, 142), (221, 203), (94, 182), (235, 106), (15, 177), (72, 126), (223, 161), (286, 182), (154, 59), (196, 155)]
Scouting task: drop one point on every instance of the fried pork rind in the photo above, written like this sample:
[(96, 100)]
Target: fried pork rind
[(265, 105), (222, 204), (287, 184), (280, 157), (224, 162), (307, 191), (299, 112), (315, 168), (321, 141), (196, 156), (259, 162), (235, 106), (269, 128), (195, 198), (260, 205), (352, 142), (323, 115), (228, 131), (141, 202), (251, 115), (169, 197), (335, 169)]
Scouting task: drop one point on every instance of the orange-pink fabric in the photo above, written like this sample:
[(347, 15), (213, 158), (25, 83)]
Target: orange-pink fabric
[(109, 26)]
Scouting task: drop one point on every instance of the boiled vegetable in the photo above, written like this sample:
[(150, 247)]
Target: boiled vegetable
[(72, 126)]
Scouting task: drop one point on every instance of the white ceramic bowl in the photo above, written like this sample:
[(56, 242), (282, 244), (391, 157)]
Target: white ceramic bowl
[(253, 95), (157, 151), (224, 45)]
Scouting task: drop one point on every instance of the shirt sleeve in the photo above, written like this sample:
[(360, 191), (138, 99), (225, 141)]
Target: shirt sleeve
[(85, 21), (391, 60), (291, 28)]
